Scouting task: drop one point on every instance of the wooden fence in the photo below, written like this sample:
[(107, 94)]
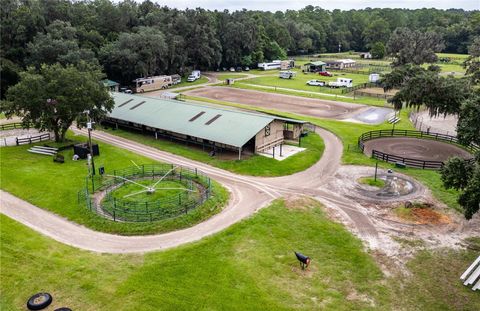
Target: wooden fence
[(32, 139)]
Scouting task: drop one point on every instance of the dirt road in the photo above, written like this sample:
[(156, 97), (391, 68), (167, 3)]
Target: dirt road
[(248, 194)]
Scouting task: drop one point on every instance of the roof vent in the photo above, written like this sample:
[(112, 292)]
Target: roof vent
[(125, 102), (137, 105), (197, 116), (213, 119)]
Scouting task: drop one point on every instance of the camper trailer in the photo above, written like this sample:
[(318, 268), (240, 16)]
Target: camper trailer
[(287, 64), (276, 64), (286, 74), (152, 83)]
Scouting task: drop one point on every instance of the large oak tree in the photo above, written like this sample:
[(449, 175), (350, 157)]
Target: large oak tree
[(55, 96)]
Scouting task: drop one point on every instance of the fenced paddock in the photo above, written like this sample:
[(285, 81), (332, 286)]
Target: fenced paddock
[(97, 194), (414, 148)]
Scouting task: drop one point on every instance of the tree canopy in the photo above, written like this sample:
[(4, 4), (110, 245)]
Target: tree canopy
[(114, 34), (56, 96)]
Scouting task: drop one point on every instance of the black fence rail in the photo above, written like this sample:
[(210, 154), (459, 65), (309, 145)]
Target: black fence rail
[(358, 87), (425, 164), (368, 94), (198, 188), (436, 165), (10, 126), (32, 139)]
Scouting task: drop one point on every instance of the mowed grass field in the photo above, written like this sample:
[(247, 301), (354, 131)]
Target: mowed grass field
[(230, 75), (299, 82), (249, 266), (54, 187), (254, 165), (184, 82)]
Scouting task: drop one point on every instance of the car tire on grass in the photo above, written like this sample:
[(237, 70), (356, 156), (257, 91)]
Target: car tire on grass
[(39, 301)]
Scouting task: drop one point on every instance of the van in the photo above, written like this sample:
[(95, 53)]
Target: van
[(286, 74), (195, 75)]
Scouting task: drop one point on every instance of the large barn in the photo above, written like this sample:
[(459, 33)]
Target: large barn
[(205, 125)]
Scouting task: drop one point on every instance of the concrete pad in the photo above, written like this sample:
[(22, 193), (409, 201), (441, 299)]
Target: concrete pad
[(287, 151)]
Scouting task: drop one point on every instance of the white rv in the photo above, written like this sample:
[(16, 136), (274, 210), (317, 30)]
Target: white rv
[(152, 83), (195, 75), (341, 82), (276, 64)]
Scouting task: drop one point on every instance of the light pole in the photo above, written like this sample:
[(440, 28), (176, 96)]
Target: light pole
[(90, 128)]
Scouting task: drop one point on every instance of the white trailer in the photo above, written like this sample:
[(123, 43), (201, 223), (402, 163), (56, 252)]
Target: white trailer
[(374, 77), (341, 82)]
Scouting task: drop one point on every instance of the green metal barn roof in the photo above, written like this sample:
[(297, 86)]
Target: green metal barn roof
[(109, 83), (231, 127), (317, 63)]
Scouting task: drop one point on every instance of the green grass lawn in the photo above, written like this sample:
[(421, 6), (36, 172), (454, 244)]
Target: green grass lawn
[(379, 183), (25, 174), (225, 76), (299, 82), (254, 165), (184, 82), (172, 190), (249, 266)]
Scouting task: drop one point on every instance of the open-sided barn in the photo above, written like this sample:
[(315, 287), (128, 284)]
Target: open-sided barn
[(205, 125)]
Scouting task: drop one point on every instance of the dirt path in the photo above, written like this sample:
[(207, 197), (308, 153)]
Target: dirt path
[(248, 194)]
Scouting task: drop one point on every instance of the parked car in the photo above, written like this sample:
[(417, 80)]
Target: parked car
[(316, 83), (238, 69), (232, 69), (325, 73), (247, 69)]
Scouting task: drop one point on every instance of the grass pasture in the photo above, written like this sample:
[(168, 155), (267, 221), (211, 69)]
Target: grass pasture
[(249, 266), (185, 83), (299, 82), (225, 76), (24, 175)]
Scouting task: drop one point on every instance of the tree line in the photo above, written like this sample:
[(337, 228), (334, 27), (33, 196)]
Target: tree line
[(129, 39)]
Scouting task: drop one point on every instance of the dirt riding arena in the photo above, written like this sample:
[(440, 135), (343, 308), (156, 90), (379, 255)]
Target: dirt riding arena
[(414, 148), (295, 104)]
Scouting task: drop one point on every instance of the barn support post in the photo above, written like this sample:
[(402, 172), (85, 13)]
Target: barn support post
[(240, 153), (156, 134), (281, 145), (274, 152)]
